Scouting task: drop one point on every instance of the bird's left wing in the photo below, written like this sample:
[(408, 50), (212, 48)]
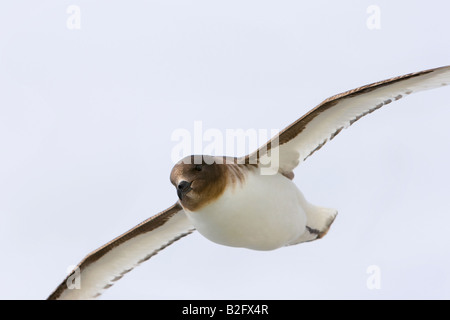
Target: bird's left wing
[(101, 268), (309, 133)]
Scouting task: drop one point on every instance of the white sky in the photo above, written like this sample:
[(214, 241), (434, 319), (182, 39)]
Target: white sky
[(86, 118)]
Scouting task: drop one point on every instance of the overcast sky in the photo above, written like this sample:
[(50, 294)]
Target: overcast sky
[(90, 96)]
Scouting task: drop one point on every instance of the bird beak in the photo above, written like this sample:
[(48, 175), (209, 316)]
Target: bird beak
[(183, 188)]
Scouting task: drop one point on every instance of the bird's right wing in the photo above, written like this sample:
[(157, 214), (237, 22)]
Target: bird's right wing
[(101, 268)]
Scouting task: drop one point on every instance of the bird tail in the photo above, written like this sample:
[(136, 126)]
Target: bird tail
[(319, 221)]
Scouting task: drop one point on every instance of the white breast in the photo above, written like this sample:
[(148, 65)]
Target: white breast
[(263, 213)]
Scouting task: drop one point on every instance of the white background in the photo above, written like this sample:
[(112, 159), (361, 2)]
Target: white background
[(86, 118)]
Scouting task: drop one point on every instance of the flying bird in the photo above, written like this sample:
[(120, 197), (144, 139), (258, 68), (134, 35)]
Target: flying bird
[(249, 201)]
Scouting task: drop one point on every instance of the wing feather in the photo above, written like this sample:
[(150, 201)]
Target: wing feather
[(309, 133), (100, 269)]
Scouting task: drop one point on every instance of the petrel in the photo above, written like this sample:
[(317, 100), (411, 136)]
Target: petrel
[(250, 201)]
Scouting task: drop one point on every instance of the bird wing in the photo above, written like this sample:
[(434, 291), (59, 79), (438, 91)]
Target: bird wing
[(309, 133), (100, 269)]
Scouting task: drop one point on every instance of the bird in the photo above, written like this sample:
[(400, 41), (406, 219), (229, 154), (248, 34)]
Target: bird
[(250, 201)]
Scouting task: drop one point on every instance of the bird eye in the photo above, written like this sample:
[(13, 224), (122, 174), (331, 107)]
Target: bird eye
[(198, 167)]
